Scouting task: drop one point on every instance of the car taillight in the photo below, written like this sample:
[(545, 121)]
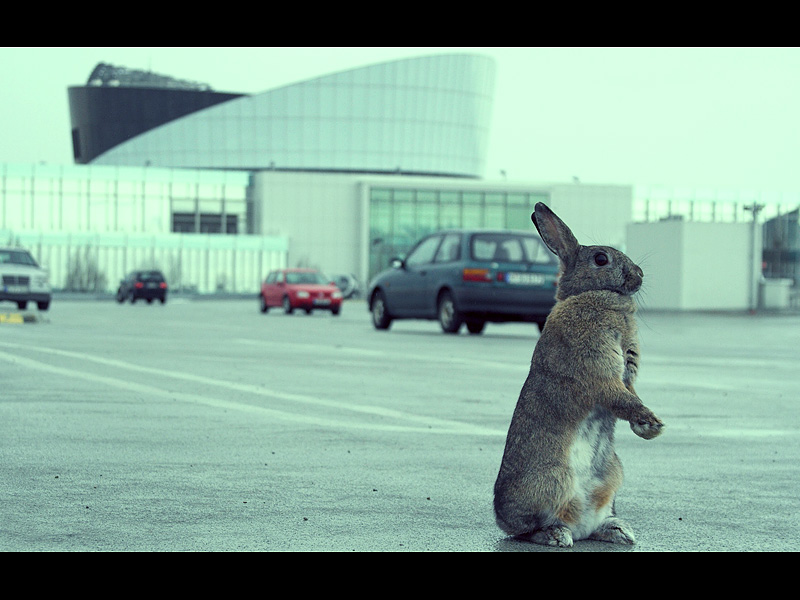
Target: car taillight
[(138, 285), (163, 285), (476, 275)]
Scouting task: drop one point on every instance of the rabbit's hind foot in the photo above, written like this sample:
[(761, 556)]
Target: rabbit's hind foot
[(614, 531)]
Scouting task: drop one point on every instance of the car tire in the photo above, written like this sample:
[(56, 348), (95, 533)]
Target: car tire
[(120, 297), (22, 304), (476, 327), (381, 319), (43, 305), (287, 305), (449, 317), (335, 311), (264, 308)]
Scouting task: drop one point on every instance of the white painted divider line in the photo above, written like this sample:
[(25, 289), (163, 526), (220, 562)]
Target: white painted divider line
[(428, 424)]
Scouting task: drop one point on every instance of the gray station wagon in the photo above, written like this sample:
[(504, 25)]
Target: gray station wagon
[(468, 277)]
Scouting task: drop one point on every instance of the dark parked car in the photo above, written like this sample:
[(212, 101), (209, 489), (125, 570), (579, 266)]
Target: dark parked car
[(468, 277), (305, 289), (146, 285)]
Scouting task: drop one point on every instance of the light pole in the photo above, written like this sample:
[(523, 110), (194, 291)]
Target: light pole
[(755, 208)]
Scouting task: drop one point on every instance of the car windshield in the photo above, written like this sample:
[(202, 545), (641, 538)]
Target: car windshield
[(305, 277), (17, 257), (506, 247)]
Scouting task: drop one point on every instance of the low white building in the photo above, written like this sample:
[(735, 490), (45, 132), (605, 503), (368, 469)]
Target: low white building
[(691, 265)]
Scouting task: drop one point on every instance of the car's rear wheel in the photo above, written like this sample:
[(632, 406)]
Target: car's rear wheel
[(264, 308), (380, 315), (449, 317), (21, 304), (287, 305), (43, 305)]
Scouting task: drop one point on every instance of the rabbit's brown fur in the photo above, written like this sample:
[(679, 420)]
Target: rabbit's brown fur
[(559, 472)]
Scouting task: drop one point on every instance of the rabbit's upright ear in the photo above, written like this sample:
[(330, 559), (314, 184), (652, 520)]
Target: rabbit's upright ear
[(555, 234)]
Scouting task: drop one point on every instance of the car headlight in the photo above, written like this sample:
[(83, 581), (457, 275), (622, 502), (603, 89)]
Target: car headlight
[(302, 294), (336, 295)]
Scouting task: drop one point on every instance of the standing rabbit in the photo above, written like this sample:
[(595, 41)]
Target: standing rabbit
[(559, 472)]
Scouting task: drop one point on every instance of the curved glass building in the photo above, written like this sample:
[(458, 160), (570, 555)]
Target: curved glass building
[(426, 116)]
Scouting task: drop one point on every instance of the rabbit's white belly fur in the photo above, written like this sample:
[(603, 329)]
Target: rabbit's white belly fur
[(581, 456)]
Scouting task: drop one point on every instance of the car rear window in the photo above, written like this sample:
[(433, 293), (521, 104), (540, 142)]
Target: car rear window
[(305, 277), (150, 276), (506, 247)]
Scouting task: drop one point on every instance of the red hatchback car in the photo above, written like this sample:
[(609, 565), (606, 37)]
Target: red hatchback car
[(306, 289)]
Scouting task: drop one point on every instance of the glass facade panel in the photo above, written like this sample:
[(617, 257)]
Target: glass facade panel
[(471, 215), (450, 216), (494, 216)]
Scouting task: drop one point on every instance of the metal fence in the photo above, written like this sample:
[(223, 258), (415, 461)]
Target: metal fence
[(202, 263)]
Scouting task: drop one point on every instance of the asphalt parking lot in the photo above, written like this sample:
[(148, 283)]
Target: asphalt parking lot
[(208, 426)]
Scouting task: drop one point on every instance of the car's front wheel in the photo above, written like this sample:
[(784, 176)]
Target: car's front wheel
[(449, 317), (380, 316), (287, 305), (21, 304), (43, 305)]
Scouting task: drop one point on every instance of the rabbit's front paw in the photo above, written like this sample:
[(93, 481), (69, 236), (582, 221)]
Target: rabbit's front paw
[(647, 428), (556, 535)]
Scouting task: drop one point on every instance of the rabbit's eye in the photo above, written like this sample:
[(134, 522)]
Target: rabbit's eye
[(600, 259)]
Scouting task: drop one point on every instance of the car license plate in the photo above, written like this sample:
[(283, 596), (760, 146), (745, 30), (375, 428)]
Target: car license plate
[(151, 284), (525, 278), (321, 301), (16, 289)]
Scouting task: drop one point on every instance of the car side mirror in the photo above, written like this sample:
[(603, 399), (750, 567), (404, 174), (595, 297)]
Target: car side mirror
[(397, 263)]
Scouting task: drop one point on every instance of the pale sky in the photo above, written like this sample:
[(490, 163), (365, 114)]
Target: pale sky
[(690, 117)]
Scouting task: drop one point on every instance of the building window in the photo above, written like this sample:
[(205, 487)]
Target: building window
[(204, 223)]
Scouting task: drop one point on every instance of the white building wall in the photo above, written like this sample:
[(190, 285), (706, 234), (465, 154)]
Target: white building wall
[(691, 265), (320, 213), (596, 214)]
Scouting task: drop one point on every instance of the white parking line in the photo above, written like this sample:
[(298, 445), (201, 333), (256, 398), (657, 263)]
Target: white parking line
[(426, 424)]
